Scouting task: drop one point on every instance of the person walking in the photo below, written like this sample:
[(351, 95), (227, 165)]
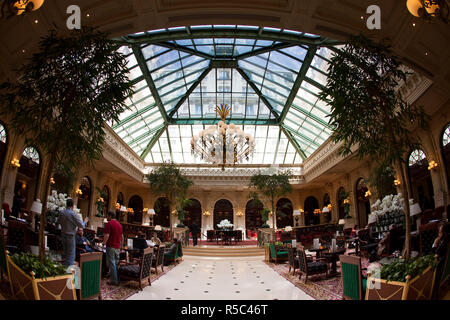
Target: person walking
[(113, 239), (194, 231), (69, 222)]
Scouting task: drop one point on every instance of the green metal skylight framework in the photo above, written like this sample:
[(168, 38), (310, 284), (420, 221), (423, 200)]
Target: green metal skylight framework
[(271, 78)]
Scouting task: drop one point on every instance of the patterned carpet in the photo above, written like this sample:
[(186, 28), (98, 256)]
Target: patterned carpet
[(122, 292), (317, 286), (214, 243)]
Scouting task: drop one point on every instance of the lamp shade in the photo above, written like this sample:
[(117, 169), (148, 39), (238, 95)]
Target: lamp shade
[(296, 213), (158, 227), (151, 212), (341, 221), (36, 207), (325, 209), (372, 218), (123, 208), (414, 209)]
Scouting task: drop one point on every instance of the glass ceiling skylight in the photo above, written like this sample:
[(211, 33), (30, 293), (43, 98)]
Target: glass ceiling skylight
[(271, 77)]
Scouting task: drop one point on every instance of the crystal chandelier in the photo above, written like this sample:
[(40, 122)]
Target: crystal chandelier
[(223, 144)]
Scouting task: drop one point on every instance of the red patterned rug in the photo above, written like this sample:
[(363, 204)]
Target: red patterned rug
[(214, 243)]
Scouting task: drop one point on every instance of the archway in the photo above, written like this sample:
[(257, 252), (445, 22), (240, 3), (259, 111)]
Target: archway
[(362, 202), (106, 196), (193, 213), (286, 217), (3, 145), (119, 203), (311, 204), (223, 209), (420, 180), (162, 210), (27, 179), (137, 205), (327, 203), (120, 198), (84, 199), (445, 148), (341, 197), (253, 219)]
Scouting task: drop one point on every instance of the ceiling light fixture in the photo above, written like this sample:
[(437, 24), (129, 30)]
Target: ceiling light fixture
[(429, 9), (224, 144), (20, 7)]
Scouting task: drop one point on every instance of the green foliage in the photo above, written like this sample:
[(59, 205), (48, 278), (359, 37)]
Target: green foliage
[(398, 270), (100, 204), (168, 181), (181, 210), (64, 177), (265, 216), (46, 269), (382, 179)]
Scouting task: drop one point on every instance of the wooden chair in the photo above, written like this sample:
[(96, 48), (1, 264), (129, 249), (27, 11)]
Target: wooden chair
[(365, 242), (293, 259), (89, 234), (308, 268), (17, 234), (91, 275), (158, 258), (140, 271), (427, 235), (353, 283), (340, 241), (277, 253), (174, 257)]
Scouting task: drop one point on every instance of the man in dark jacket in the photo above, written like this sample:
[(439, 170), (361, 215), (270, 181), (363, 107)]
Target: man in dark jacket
[(195, 230)]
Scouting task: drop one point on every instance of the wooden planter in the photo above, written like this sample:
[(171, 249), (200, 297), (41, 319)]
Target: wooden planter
[(27, 287), (420, 288)]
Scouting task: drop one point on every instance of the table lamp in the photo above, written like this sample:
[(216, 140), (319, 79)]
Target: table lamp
[(36, 208), (296, 215), (325, 209), (414, 209), (341, 224)]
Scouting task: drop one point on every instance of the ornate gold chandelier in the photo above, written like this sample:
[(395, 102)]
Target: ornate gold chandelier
[(429, 9), (20, 7), (223, 144)]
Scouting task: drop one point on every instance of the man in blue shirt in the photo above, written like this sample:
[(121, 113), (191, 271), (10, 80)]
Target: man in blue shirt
[(82, 242), (69, 222)]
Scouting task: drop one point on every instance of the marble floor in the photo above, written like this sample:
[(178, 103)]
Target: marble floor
[(221, 278)]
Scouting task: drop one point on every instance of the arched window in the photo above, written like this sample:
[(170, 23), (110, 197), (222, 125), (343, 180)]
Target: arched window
[(284, 212), (362, 202), (341, 198), (193, 213), (420, 180), (137, 205), (106, 200), (253, 219), (311, 204), (3, 145), (25, 191), (84, 196), (162, 210), (445, 148), (120, 198), (223, 209)]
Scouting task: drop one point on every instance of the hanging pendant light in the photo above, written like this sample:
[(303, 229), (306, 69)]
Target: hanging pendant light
[(429, 9)]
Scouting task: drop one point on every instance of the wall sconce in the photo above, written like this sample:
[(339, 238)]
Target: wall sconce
[(52, 181), (239, 213), (397, 182), (145, 210), (130, 210), (78, 192), (368, 194), (117, 206), (429, 9), (347, 201), (206, 213), (100, 199), (15, 163), (329, 207), (317, 211), (432, 165)]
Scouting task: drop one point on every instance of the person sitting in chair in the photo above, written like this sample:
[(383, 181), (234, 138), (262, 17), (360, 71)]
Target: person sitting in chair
[(171, 251), (441, 242), (81, 242), (155, 239)]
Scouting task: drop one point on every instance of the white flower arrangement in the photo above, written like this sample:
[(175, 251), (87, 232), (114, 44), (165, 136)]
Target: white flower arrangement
[(56, 202), (390, 203), (225, 224)]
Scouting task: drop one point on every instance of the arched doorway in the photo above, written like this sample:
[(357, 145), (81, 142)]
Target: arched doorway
[(27, 178), (193, 213), (3, 145), (326, 204), (362, 202), (137, 205), (106, 196), (120, 199), (84, 199), (420, 180), (311, 204), (445, 147), (162, 210), (286, 218), (119, 203), (223, 209), (341, 195), (253, 218)]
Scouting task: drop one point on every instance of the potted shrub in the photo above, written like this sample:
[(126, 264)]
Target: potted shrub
[(31, 279), (411, 279)]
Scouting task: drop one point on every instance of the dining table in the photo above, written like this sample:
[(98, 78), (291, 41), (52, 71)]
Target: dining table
[(333, 257)]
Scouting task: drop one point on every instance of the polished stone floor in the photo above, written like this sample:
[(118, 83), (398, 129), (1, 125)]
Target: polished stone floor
[(198, 278)]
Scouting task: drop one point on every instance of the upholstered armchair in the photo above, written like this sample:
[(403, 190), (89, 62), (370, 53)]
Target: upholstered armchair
[(427, 234), (138, 272), (158, 258), (353, 283), (308, 267), (366, 243), (277, 253), (91, 275), (293, 259)]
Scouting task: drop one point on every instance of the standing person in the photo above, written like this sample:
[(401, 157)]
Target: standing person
[(113, 238), (69, 222), (195, 231)]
